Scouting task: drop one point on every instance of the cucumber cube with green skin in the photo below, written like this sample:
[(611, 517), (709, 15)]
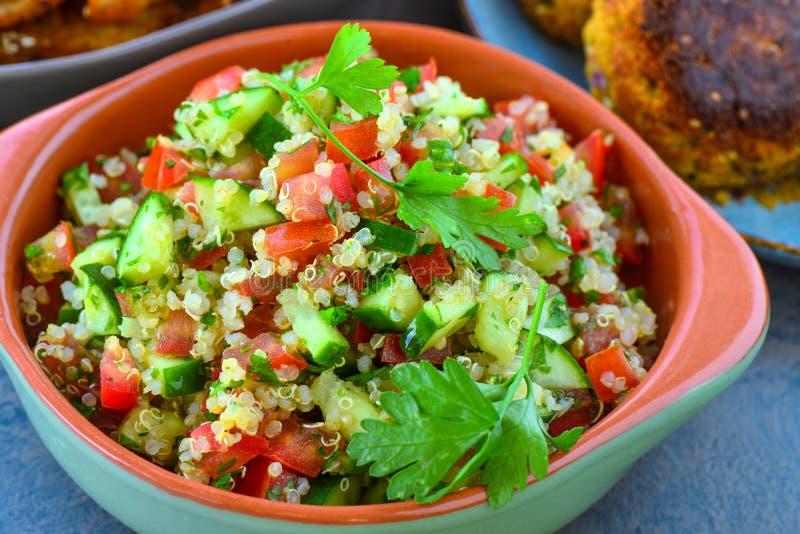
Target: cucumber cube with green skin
[(529, 198), (375, 493), (436, 321), (556, 322), (329, 490), (551, 256), (391, 305), (391, 238), (325, 343), (328, 389), (560, 370), (508, 171), (265, 133), (462, 106), (220, 121), (178, 376), (102, 252), (80, 196), (225, 204), (500, 316), (146, 252), (168, 427), (102, 311)]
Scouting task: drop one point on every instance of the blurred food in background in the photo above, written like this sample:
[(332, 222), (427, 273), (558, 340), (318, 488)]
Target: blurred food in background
[(44, 29), (561, 19)]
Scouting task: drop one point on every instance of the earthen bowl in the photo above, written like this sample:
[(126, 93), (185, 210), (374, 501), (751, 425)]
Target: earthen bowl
[(700, 276)]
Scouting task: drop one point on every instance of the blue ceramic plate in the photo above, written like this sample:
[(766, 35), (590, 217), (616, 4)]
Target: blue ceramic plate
[(774, 234)]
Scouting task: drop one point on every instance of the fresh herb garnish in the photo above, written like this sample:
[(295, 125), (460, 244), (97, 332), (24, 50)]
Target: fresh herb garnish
[(32, 251), (261, 367), (425, 195), (440, 416), (336, 315)]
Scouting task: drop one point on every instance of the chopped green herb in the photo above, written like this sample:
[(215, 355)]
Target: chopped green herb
[(577, 270), (32, 251)]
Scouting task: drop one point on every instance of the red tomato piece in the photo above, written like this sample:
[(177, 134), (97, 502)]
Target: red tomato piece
[(578, 235), (377, 198), (607, 368), (177, 334), (299, 241), (574, 417), (539, 167), (523, 110), (264, 289), (299, 448), (187, 196), (424, 268), (393, 90), (313, 68), (339, 182), (246, 169), (220, 462), (225, 81), (304, 193), (503, 130), (260, 320), (295, 163), (120, 380), (506, 198), (427, 73), (83, 236), (165, 167), (126, 184), (392, 353), (628, 223), (272, 347), (52, 253), (594, 151), (206, 258), (361, 334), (409, 154), (359, 137)]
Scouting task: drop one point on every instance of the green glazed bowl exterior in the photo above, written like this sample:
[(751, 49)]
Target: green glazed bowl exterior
[(707, 342)]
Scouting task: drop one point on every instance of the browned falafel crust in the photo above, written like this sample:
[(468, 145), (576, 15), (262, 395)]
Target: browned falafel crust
[(560, 19), (714, 87)]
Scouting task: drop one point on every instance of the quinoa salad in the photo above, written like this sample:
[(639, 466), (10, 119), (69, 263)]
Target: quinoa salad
[(344, 283)]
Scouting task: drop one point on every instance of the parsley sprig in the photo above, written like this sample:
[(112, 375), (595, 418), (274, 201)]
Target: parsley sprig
[(425, 195), (440, 418)]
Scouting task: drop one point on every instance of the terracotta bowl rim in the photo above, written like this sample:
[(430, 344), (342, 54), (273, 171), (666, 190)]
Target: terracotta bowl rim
[(624, 418)]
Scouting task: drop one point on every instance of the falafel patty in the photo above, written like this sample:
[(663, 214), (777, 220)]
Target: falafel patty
[(560, 19), (714, 87)]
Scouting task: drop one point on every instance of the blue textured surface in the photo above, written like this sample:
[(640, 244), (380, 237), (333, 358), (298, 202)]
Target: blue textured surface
[(774, 233)]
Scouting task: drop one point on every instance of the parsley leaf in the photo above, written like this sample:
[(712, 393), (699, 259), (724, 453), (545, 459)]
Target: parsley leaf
[(425, 200), (355, 83), (261, 367), (558, 314)]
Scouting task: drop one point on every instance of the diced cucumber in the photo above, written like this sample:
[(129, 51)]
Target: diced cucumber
[(146, 253), (391, 238), (508, 171), (551, 256), (103, 315), (163, 425), (392, 303), (462, 106), (226, 205), (221, 119), (80, 196), (555, 322), (102, 251), (68, 314), (325, 343), (265, 133), (528, 197), (438, 320), (561, 370), (375, 493), (441, 153), (500, 316), (328, 390), (330, 490), (178, 376), (321, 100)]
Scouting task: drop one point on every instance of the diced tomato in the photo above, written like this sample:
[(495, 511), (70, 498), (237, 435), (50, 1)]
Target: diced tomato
[(271, 345), (578, 235), (357, 281), (381, 199), (258, 483), (607, 367), (304, 193), (220, 462), (328, 274), (313, 68), (594, 151), (165, 167), (299, 241), (506, 198), (177, 334), (503, 130), (295, 163), (339, 182), (52, 253), (539, 167), (361, 334), (427, 73), (392, 353), (628, 223), (83, 236), (425, 267), (574, 417), (299, 448), (206, 258), (187, 197), (397, 84), (409, 154), (598, 338), (119, 378), (264, 289), (359, 137), (523, 110), (246, 169), (225, 81), (126, 184), (260, 320)]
